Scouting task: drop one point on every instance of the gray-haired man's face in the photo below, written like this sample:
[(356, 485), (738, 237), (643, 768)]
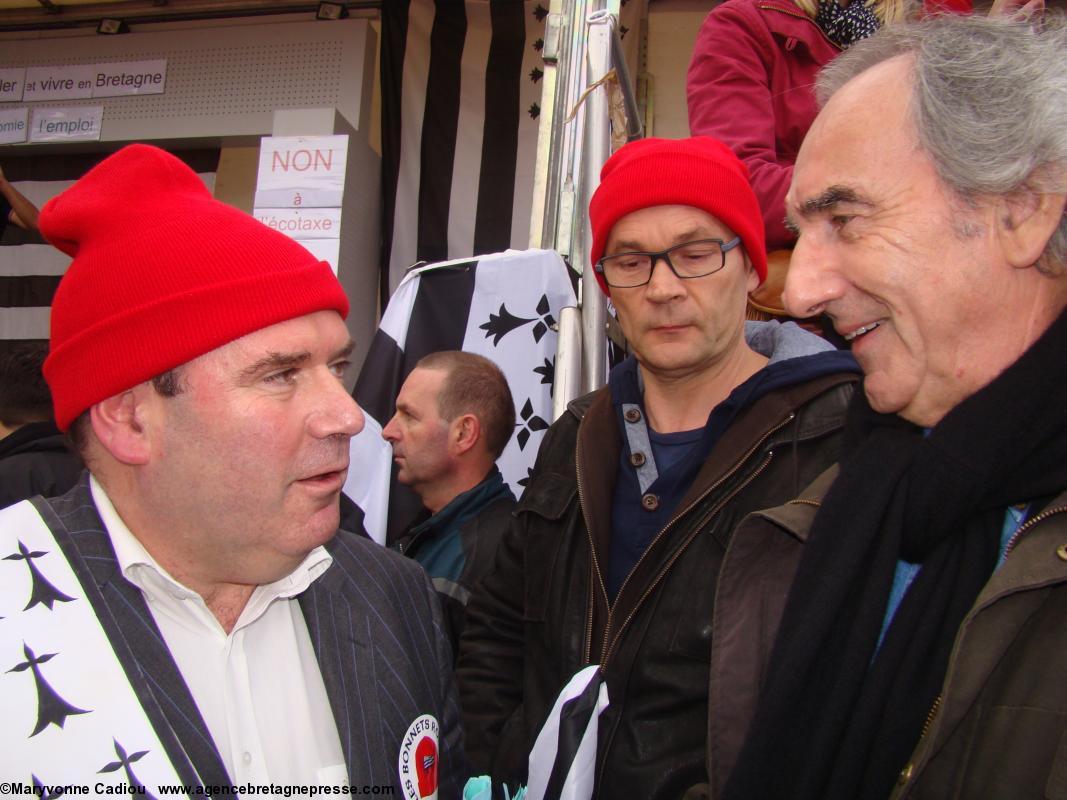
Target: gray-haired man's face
[(882, 250)]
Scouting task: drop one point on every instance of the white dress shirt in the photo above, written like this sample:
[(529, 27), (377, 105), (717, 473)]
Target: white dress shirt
[(259, 687)]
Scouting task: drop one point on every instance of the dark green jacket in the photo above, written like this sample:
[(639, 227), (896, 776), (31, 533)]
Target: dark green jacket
[(456, 546)]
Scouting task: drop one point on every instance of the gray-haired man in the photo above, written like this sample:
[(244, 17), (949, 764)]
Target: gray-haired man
[(922, 649)]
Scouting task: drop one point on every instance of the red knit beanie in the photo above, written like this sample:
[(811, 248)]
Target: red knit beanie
[(162, 273), (700, 172)]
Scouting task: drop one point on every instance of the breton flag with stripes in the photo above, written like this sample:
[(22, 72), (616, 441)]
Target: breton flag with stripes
[(30, 268), (461, 94), (504, 307), (563, 759)]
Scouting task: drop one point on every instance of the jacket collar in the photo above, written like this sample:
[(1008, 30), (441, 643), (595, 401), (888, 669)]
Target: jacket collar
[(465, 504), (786, 19), (34, 437)]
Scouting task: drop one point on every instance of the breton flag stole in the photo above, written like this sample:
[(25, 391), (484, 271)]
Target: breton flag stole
[(71, 715)]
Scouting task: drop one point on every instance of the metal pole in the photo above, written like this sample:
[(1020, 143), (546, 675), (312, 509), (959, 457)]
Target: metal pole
[(567, 383), (595, 151), (635, 128)]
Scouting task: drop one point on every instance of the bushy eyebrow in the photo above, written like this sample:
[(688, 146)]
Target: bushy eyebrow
[(282, 361), (832, 197), (827, 201), (273, 361)]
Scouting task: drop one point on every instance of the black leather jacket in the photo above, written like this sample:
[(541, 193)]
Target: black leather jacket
[(543, 613)]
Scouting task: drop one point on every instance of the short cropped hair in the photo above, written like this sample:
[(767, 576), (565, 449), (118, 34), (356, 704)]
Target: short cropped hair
[(24, 395), (474, 385), (989, 103), (166, 384)]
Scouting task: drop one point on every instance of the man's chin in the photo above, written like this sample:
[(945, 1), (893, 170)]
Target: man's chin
[(885, 395), (323, 522)]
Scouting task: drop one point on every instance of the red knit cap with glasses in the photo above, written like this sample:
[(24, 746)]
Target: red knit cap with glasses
[(162, 273), (700, 172)]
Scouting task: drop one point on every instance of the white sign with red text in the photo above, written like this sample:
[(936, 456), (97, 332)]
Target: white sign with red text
[(301, 171), (302, 223)]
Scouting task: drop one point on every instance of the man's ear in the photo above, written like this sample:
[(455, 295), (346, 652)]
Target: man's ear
[(1025, 222), (118, 423), (465, 432)]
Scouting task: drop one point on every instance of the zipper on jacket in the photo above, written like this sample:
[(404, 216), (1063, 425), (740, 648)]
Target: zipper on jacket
[(594, 566), (605, 650), (667, 567), (930, 717), (588, 654), (907, 772), (936, 707), (799, 14), (1048, 512)]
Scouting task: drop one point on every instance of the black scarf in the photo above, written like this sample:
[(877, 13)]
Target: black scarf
[(835, 719), (846, 26)]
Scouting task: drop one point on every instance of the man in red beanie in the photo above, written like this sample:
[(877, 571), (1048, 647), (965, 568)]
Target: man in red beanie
[(189, 614), (621, 551)]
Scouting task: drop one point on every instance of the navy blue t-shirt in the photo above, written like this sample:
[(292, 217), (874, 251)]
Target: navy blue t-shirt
[(634, 523)]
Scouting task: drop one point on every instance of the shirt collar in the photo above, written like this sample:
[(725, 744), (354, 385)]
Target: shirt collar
[(142, 570)]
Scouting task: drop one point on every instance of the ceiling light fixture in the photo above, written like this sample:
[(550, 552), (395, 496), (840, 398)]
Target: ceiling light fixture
[(111, 27), (331, 11)]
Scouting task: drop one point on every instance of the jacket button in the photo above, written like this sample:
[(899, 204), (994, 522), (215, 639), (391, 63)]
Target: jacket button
[(905, 774), (638, 459), (1061, 551), (632, 415), (650, 502)]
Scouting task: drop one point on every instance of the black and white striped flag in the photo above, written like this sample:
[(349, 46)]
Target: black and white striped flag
[(30, 268), (503, 307), (461, 94), (563, 759)]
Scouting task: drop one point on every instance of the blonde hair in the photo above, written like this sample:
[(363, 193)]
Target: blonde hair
[(887, 11)]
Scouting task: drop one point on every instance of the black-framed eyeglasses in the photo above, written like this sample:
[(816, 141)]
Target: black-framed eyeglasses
[(686, 260)]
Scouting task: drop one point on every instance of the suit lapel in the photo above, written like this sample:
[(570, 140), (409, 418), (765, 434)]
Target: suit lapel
[(341, 639)]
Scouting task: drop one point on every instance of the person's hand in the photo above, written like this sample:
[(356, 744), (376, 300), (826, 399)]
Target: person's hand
[(1017, 9)]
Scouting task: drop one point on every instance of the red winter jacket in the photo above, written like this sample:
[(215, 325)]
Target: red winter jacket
[(750, 84)]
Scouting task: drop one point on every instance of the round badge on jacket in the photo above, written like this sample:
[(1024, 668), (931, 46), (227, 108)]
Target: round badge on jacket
[(418, 759)]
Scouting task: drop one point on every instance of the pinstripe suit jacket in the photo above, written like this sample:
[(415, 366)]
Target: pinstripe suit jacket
[(375, 626)]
